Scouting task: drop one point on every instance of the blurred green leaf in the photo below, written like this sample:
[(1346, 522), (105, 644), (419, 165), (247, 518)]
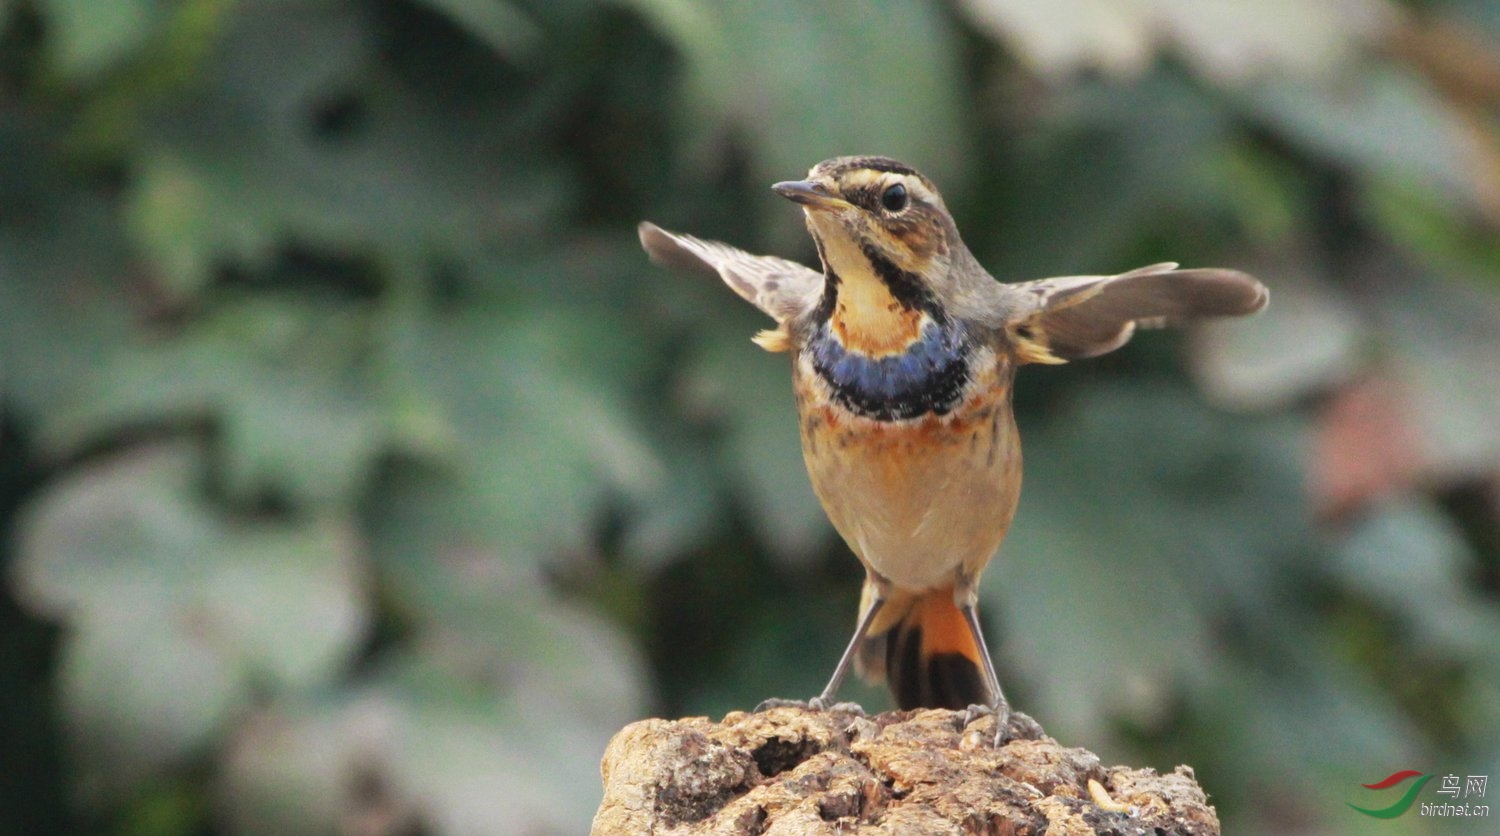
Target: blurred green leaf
[(1101, 170), (831, 78), (142, 692), (1481, 12), (483, 601), (540, 731), (290, 601), (415, 760), (180, 223), (298, 133), (1310, 728), (432, 735), (298, 769), (750, 394), (1310, 340), (64, 302), (787, 648), (129, 529), (130, 555), (1409, 557), (541, 439), (1450, 243), (500, 25), (1444, 337), (1265, 194), (1056, 38), (282, 374), (680, 512), (1110, 573), (92, 38), (1380, 122), (1228, 42)]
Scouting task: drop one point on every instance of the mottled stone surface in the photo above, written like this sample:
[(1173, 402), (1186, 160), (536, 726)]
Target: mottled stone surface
[(792, 771)]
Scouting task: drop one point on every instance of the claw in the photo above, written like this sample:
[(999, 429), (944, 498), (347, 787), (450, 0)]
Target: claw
[(778, 702), (847, 707), (1003, 717), (974, 712), (814, 704), (1002, 725)]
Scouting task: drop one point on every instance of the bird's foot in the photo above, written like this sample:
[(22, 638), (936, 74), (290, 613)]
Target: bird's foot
[(846, 707), (1001, 713), (1009, 725), (778, 702), (814, 704), (974, 712)]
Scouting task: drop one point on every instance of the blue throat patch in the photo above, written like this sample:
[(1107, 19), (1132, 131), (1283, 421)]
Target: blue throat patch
[(929, 377)]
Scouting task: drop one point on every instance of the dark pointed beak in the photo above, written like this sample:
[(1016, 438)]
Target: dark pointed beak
[(808, 193)]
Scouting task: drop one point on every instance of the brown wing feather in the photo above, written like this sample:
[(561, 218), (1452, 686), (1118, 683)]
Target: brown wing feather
[(779, 287), (1084, 316)]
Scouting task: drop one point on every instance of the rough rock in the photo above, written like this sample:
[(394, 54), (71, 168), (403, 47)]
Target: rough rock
[(791, 771)]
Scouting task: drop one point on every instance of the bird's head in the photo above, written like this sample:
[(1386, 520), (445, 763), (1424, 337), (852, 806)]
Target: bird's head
[(874, 217)]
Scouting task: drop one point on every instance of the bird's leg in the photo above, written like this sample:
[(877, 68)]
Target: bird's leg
[(998, 704), (824, 701)]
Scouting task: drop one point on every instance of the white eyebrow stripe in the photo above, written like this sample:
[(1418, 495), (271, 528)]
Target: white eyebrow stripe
[(885, 179), (920, 191), (864, 177)]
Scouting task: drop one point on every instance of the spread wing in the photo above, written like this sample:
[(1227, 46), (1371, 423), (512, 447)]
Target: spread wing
[(1074, 317), (779, 287)]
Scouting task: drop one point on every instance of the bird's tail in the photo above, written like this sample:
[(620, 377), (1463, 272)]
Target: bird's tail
[(921, 646)]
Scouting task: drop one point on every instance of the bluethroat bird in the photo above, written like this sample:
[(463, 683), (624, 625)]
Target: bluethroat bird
[(903, 352)]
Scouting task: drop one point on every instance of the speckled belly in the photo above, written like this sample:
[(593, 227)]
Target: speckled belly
[(921, 499)]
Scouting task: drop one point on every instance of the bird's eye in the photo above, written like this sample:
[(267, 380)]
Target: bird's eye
[(894, 198)]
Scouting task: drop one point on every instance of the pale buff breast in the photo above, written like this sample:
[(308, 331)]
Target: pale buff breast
[(918, 499)]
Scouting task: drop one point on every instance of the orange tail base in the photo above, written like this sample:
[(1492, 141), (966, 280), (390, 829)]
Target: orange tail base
[(921, 646)]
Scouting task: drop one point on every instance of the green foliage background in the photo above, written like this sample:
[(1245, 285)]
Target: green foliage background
[(357, 473)]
